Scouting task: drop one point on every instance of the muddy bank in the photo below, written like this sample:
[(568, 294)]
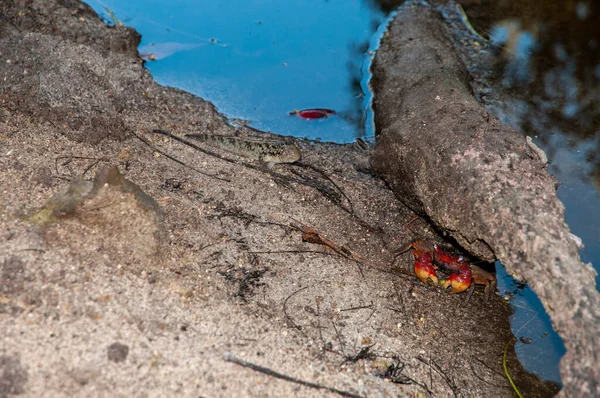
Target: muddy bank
[(480, 182), (138, 282)]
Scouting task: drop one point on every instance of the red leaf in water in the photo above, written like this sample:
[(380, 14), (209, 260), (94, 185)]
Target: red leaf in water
[(316, 113)]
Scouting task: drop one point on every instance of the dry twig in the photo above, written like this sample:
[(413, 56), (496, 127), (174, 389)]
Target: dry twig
[(269, 372)]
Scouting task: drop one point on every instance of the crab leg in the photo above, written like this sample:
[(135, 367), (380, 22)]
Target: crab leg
[(482, 277)]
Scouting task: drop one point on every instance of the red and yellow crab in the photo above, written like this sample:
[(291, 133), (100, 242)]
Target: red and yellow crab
[(465, 275)]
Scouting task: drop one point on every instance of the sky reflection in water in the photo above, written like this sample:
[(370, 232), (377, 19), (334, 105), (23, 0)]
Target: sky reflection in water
[(258, 60)]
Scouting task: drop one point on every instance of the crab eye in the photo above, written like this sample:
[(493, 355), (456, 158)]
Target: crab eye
[(461, 259)]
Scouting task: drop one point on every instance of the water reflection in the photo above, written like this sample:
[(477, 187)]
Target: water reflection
[(517, 45), (549, 63)]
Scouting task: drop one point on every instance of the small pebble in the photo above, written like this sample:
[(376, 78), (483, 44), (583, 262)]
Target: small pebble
[(117, 352)]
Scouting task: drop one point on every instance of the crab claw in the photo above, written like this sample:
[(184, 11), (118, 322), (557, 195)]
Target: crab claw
[(424, 269), (459, 282)]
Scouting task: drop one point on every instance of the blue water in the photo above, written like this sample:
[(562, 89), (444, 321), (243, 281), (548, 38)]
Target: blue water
[(258, 60), (539, 355)]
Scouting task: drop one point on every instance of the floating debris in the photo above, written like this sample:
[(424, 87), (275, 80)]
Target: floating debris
[(315, 113), (158, 51)]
